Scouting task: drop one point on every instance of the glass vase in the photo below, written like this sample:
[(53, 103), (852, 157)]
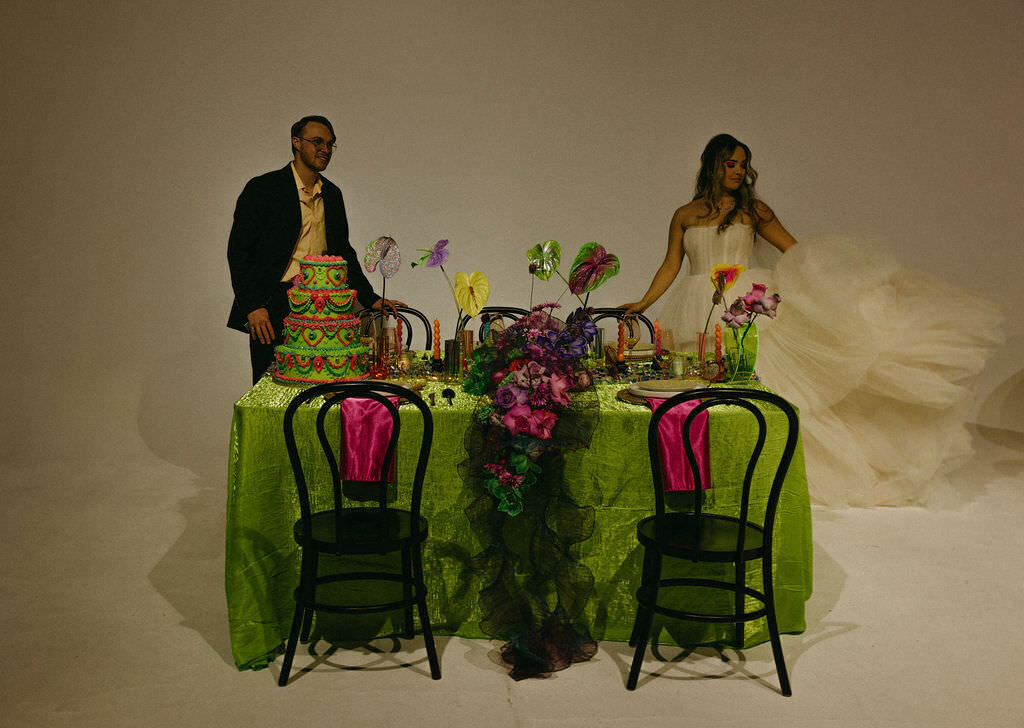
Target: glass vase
[(740, 353)]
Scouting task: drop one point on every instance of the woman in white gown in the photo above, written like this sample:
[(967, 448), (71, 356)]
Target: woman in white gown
[(881, 359)]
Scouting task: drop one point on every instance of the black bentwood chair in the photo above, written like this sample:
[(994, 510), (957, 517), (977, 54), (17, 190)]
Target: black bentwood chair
[(744, 535), (351, 530), (621, 315), (493, 312), (405, 314)]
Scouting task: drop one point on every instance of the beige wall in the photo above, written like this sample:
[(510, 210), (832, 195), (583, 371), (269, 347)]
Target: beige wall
[(130, 128)]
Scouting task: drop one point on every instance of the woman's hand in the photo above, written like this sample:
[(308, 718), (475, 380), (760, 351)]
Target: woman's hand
[(633, 308)]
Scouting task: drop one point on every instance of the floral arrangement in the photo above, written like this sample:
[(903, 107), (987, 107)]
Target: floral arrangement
[(528, 376), (742, 314), (470, 292)]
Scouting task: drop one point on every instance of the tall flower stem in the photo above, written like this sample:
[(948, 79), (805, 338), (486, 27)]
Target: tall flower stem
[(458, 308), (567, 286)]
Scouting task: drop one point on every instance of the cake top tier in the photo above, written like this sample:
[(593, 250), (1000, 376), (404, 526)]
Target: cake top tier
[(322, 272)]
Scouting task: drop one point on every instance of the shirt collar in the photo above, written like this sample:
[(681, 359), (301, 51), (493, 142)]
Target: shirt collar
[(317, 186)]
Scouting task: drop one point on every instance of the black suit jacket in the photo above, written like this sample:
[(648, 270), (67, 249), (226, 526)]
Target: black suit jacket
[(266, 226)]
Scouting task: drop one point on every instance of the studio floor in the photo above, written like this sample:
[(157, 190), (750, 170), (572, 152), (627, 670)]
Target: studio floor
[(114, 614)]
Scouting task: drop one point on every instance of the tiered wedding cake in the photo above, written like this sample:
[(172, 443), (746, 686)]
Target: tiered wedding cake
[(321, 337)]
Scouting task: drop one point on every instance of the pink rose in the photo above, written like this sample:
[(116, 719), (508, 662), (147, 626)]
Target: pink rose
[(517, 419), (560, 389)]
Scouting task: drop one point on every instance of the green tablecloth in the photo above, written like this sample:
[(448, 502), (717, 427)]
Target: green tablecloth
[(262, 560)]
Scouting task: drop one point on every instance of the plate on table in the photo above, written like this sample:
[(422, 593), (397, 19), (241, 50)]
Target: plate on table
[(664, 388)]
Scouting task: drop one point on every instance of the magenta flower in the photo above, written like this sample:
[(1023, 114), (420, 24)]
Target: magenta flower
[(592, 267), (435, 257), (757, 292), (541, 424), (517, 419)]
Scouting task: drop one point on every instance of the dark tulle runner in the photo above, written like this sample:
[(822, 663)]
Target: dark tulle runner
[(535, 586)]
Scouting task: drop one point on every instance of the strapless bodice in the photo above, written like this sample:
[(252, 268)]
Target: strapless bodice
[(705, 247)]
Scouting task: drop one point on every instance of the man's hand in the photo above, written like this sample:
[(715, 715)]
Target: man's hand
[(384, 302), (260, 327)]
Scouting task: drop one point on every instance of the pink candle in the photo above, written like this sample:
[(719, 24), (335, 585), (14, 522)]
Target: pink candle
[(657, 338)]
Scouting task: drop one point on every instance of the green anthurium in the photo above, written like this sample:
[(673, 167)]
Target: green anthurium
[(544, 258)]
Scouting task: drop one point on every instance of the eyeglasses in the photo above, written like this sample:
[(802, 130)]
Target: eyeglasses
[(318, 142)]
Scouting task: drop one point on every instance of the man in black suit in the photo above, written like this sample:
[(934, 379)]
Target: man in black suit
[(281, 217)]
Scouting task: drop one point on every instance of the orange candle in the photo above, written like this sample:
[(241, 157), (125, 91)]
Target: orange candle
[(657, 338), (621, 355), (718, 342), (437, 340)]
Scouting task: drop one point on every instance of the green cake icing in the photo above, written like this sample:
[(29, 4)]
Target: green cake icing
[(321, 342)]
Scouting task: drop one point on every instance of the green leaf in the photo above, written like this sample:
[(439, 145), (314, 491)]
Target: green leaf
[(546, 257)]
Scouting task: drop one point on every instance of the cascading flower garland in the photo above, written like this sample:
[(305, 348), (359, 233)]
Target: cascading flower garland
[(528, 374)]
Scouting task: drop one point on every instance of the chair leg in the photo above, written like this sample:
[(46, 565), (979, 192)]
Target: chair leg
[(645, 617), (309, 571), (740, 604), (773, 631), (407, 578), (421, 606), (645, 579), (293, 640), (645, 612)]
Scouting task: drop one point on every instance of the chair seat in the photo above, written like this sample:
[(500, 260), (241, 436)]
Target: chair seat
[(718, 539), (363, 530)]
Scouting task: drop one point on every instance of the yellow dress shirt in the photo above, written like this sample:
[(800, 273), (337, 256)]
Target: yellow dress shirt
[(312, 236)]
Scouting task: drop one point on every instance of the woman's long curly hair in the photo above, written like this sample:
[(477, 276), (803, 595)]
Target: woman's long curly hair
[(709, 187)]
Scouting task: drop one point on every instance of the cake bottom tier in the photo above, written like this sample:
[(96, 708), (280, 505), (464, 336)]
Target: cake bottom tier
[(316, 366)]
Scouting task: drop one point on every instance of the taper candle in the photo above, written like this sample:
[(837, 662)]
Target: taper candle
[(718, 342), (437, 340), (657, 338), (621, 355)]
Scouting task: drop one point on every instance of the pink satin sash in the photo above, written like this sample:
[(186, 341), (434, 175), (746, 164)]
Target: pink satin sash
[(676, 473), (365, 442)]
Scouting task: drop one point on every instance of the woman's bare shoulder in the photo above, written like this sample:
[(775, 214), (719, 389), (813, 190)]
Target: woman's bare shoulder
[(691, 213)]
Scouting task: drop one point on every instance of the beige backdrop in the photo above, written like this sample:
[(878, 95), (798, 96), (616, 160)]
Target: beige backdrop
[(130, 128)]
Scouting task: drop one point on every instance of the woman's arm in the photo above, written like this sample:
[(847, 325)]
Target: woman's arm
[(769, 228), (669, 267)]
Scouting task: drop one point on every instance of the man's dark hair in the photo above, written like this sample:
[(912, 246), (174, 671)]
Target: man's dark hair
[(299, 125)]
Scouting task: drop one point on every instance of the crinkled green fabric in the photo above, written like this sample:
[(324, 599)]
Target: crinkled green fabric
[(614, 476)]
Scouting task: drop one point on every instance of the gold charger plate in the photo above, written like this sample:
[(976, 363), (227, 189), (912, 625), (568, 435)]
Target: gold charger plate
[(625, 395), (664, 388)]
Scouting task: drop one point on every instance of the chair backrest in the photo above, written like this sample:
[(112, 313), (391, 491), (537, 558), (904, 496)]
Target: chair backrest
[(503, 312), (334, 395), (621, 315), (760, 407), (404, 313)]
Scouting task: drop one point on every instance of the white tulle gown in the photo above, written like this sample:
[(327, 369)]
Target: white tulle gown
[(881, 360)]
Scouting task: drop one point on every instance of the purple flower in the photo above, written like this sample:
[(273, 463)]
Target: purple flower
[(766, 305), (737, 315), (435, 257), (508, 396)]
